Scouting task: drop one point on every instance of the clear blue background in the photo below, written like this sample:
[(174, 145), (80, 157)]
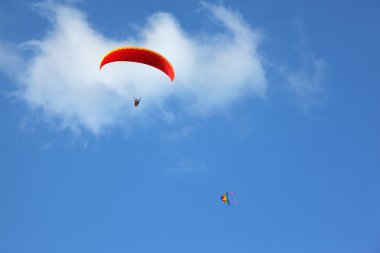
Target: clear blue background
[(306, 181)]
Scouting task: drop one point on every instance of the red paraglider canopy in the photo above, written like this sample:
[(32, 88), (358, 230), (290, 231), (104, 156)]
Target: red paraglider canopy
[(140, 55)]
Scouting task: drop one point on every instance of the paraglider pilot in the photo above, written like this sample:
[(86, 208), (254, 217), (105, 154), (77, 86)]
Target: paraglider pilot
[(137, 101)]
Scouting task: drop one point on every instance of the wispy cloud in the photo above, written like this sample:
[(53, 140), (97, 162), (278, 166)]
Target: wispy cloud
[(181, 132), (61, 77), (306, 80), (186, 167), (10, 63)]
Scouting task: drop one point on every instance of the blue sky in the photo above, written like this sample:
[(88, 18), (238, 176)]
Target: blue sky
[(276, 101)]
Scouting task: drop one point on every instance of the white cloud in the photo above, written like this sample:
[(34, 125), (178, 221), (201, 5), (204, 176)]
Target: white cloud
[(306, 83), (62, 76), (10, 63), (185, 167)]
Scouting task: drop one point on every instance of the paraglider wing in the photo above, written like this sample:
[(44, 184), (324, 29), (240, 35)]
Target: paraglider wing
[(140, 55), (224, 198)]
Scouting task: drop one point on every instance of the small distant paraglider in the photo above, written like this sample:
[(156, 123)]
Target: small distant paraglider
[(226, 198)]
